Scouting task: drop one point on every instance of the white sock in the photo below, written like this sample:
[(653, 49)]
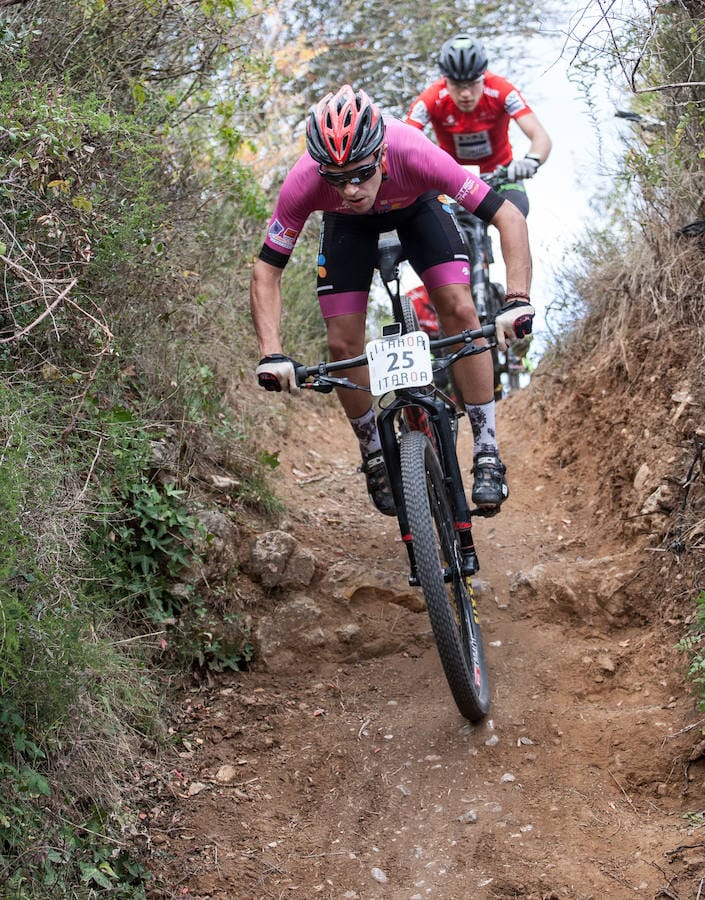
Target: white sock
[(365, 428), (482, 422)]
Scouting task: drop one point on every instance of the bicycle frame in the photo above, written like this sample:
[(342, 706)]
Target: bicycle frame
[(444, 438), (435, 413), (479, 242)]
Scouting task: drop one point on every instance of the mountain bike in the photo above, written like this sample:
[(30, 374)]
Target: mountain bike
[(488, 295), (418, 427)]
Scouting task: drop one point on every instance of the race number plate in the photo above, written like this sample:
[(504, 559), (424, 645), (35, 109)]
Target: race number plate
[(399, 362)]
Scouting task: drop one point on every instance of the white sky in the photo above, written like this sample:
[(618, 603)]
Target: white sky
[(580, 168)]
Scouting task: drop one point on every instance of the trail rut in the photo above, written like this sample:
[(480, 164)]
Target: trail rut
[(343, 769)]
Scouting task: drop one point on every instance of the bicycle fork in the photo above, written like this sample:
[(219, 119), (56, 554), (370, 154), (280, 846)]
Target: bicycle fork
[(444, 437)]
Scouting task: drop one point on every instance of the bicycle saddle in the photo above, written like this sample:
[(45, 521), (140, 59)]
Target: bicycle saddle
[(389, 255)]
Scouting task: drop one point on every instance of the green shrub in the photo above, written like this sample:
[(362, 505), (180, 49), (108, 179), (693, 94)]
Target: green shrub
[(694, 646)]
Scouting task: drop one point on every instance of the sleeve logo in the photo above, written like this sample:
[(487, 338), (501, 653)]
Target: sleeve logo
[(281, 236), (514, 103)]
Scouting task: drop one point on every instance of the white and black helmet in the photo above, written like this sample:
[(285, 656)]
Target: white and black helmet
[(462, 58)]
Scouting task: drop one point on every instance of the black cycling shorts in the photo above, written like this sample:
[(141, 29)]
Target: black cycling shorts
[(429, 234)]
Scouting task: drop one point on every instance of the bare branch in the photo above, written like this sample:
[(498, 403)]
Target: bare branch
[(47, 311)]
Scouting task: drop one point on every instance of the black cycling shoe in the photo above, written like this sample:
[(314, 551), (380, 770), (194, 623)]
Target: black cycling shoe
[(378, 484), (490, 489)]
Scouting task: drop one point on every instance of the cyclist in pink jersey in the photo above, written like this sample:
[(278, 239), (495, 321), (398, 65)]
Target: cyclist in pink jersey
[(470, 110), (371, 174)]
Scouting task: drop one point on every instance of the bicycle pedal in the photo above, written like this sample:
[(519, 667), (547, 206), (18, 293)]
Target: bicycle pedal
[(484, 512)]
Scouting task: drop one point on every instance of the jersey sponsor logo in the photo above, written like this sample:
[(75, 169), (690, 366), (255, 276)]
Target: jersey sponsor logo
[(281, 236), (469, 187), (391, 203), (449, 121), (474, 145), (514, 103)]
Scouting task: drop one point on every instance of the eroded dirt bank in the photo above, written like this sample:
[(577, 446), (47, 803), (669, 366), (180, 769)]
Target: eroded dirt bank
[(343, 769)]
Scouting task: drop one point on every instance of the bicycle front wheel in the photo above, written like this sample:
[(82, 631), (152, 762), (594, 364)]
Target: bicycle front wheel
[(448, 593)]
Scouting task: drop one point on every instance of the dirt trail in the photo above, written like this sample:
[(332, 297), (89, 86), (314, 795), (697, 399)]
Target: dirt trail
[(345, 770)]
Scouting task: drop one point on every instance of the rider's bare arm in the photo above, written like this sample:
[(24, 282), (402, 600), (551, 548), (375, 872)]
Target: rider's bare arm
[(266, 305), (537, 134), (514, 239)]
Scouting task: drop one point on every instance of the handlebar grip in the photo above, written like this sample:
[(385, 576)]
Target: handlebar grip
[(488, 330), (300, 374)]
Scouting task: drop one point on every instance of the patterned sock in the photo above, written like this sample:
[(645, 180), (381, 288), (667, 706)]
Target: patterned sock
[(482, 421), (365, 428)]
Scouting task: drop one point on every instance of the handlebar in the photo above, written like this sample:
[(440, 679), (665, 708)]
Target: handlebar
[(498, 177), (495, 178), (324, 380)]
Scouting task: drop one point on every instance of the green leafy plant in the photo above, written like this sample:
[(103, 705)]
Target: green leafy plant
[(693, 644), (695, 819), (147, 543), (205, 640)]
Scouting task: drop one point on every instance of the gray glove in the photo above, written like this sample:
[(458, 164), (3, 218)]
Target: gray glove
[(514, 320), (276, 372), (527, 167)]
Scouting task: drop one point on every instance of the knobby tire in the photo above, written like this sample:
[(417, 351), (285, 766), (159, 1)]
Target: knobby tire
[(410, 319), (451, 605)]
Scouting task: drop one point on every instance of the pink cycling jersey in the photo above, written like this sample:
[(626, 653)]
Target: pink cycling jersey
[(413, 166), (479, 137)]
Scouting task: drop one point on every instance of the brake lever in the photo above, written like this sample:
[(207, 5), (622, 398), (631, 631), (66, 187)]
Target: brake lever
[(324, 384)]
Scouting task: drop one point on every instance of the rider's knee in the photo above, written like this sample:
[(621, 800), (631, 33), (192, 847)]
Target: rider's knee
[(341, 347), (454, 302)]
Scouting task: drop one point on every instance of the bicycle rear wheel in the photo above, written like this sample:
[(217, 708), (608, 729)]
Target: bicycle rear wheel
[(448, 594)]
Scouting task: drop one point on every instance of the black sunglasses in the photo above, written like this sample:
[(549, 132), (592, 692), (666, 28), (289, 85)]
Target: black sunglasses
[(354, 176)]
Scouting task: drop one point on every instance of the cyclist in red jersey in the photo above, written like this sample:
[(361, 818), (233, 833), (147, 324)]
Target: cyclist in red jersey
[(470, 109), (425, 311), (371, 174)]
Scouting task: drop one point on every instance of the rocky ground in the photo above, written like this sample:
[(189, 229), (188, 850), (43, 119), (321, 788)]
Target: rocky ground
[(339, 767)]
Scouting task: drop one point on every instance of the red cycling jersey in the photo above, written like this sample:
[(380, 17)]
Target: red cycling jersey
[(480, 137)]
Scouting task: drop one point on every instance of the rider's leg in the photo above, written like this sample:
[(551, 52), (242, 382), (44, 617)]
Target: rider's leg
[(343, 286), (346, 338), (474, 376), (438, 253)]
